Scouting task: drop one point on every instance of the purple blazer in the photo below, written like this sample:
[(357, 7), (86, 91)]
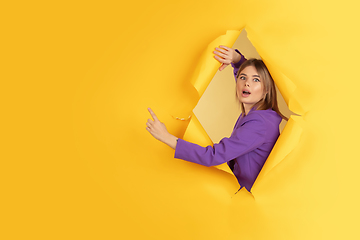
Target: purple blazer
[(245, 151)]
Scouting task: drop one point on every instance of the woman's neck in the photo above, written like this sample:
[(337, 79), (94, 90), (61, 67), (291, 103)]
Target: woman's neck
[(247, 108)]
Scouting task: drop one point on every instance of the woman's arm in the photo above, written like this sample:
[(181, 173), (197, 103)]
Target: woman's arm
[(237, 65), (244, 139)]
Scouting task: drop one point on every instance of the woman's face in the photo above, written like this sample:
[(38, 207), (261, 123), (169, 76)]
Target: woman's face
[(249, 87)]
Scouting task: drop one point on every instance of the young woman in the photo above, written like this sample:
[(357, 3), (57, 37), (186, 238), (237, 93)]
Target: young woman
[(255, 131)]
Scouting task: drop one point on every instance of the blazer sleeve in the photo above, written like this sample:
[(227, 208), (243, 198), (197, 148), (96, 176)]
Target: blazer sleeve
[(237, 65), (247, 137)]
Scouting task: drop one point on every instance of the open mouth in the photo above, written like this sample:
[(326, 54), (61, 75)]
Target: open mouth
[(245, 93)]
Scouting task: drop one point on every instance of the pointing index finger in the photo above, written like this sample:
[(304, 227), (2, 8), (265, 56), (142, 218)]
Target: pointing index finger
[(153, 114)]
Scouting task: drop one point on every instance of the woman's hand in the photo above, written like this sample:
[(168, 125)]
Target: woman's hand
[(226, 55), (158, 130)]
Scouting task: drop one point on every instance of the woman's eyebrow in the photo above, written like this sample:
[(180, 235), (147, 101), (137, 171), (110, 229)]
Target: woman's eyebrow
[(252, 75)]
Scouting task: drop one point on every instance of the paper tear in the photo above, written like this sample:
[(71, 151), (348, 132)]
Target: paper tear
[(182, 119)]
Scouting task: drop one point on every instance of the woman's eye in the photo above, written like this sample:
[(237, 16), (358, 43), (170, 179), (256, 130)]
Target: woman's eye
[(256, 80), (242, 78)]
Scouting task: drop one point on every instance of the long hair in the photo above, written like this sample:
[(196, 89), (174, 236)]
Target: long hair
[(270, 99)]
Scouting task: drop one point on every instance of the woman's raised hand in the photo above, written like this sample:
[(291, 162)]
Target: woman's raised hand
[(158, 130), (226, 56)]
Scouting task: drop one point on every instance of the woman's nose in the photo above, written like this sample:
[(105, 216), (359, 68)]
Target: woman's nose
[(247, 84)]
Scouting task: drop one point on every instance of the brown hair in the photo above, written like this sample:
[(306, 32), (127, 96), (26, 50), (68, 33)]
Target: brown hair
[(269, 100)]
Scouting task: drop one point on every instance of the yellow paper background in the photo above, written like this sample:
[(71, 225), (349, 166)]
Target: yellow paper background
[(77, 162)]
